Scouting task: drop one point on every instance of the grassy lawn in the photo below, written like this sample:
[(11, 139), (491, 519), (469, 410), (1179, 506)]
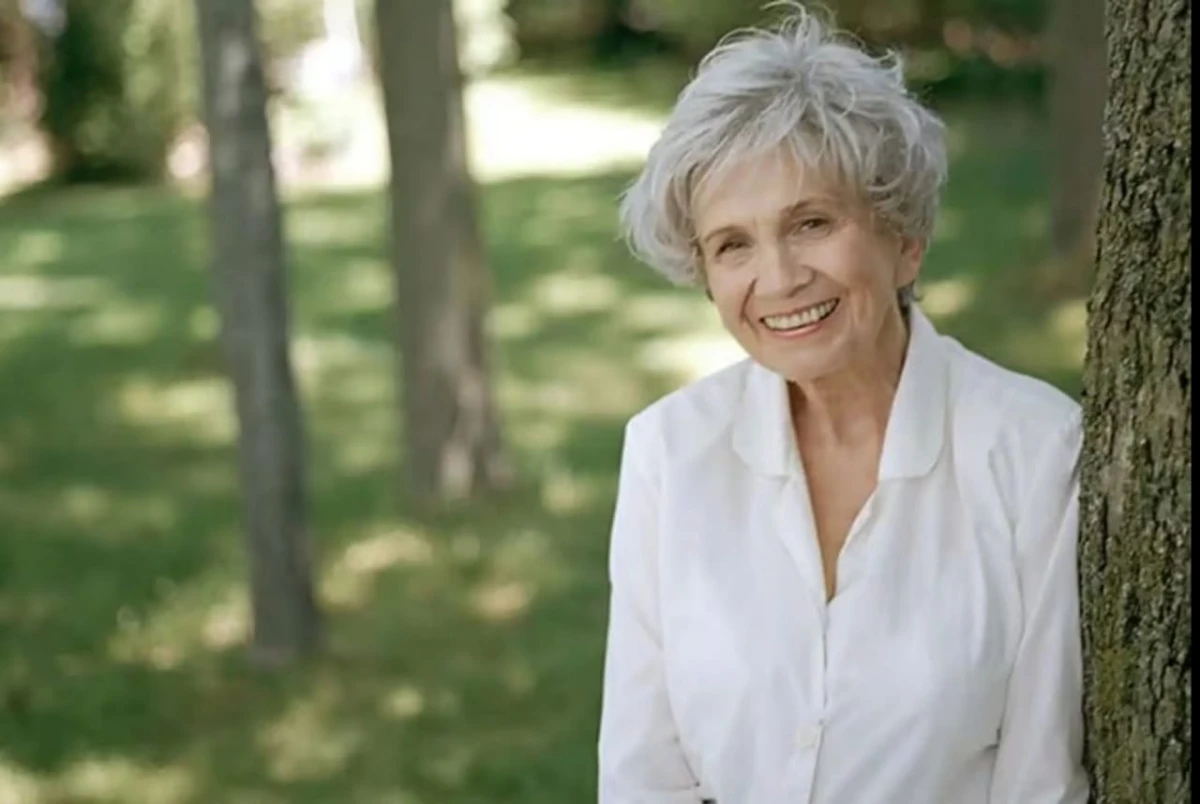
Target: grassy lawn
[(465, 648)]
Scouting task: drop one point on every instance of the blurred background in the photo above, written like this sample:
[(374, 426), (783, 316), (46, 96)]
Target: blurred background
[(462, 643)]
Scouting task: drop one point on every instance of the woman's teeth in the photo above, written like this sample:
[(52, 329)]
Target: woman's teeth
[(804, 318)]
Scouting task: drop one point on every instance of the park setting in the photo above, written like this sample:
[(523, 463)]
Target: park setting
[(315, 364)]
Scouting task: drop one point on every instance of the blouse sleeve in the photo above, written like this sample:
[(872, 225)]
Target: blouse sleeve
[(640, 758), (1039, 759)]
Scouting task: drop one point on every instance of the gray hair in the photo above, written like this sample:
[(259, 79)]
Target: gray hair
[(799, 85)]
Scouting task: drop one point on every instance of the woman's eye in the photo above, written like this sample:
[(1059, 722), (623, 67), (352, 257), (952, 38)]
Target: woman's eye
[(730, 245), (812, 224)]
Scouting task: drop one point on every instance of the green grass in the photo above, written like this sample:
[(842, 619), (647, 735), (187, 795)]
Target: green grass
[(465, 648)]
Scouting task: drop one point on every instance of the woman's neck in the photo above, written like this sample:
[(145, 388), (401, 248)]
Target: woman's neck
[(851, 408)]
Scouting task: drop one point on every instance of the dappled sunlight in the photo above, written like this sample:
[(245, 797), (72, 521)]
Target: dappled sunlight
[(316, 355), (120, 779), (564, 492), (1052, 348), (450, 764), (537, 434), (323, 227), (518, 127), (106, 514), (1068, 322), (228, 622), (666, 311), (502, 601), (358, 285), (206, 615), (90, 506), (204, 324), (34, 249), (349, 579), (528, 554), (683, 334), (200, 408), (571, 293), (527, 132), (584, 386), (557, 212), (513, 321), (306, 742), (99, 780), (691, 356), (405, 702), (18, 786), (34, 292), (126, 323), (946, 297)]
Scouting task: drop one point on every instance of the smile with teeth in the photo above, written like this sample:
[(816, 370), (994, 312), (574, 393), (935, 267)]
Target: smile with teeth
[(801, 318)]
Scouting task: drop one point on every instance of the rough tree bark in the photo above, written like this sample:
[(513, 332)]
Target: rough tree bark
[(1136, 504), (248, 266), (451, 428)]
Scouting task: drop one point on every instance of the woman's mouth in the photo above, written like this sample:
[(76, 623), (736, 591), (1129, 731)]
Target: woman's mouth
[(799, 321)]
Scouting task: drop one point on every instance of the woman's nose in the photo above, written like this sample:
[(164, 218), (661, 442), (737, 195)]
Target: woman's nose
[(782, 272)]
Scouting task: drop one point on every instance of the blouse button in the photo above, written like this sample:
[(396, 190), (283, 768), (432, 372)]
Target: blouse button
[(809, 737)]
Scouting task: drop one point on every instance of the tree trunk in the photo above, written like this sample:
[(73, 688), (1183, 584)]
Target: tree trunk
[(451, 428), (248, 265), (18, 60), (1078, 88), (1136, 505)]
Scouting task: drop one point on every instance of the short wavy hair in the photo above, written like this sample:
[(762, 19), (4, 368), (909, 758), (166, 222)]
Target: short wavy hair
[(800, 85)]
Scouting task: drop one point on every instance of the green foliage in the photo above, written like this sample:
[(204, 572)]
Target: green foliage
[(285, 26), (118, 82), (964, 47), (555, 25)]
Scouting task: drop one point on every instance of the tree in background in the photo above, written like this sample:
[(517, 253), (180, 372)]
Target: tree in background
[(117, 87), (451, 430), (18, 60), (1076, 104), (1136, 500), (248, 265)]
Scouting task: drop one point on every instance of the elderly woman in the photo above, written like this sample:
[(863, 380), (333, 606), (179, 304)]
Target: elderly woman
[(843, 570)]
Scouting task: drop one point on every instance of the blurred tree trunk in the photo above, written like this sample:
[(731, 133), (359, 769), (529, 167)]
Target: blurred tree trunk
[(248, 264), (1078, 88), (18, 61), (1136, 499), (451, 428)]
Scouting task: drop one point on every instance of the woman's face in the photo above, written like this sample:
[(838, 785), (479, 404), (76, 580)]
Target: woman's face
[(798, 273)]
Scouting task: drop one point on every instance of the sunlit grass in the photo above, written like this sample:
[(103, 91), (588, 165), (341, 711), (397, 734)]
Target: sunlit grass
[(464, 647)]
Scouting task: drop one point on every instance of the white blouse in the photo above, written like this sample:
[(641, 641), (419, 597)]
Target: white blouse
[(946, 668)]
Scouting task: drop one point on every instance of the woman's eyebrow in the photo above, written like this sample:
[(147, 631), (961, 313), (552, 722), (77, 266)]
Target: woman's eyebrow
[(805, 204), (720, 230), (791, 210)]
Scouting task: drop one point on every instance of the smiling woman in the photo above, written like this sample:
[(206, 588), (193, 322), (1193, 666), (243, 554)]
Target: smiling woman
[(844, 568)]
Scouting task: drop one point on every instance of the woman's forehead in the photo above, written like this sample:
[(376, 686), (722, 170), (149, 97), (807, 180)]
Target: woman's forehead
[(759, 184)]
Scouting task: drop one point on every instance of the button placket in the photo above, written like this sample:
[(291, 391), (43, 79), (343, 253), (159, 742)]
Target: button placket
[(809, 736)]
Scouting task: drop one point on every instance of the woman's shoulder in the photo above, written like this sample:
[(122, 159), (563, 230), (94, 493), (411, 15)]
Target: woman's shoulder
[(986, 396), (1009, 429), (692, 416)]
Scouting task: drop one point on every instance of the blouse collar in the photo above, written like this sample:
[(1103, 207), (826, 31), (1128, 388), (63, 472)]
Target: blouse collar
[(762, 431)]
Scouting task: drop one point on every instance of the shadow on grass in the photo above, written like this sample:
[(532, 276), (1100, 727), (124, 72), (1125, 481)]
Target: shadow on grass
[(465, 648)]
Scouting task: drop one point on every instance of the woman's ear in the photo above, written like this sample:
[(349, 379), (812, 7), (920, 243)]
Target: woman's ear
[(912, 252)]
